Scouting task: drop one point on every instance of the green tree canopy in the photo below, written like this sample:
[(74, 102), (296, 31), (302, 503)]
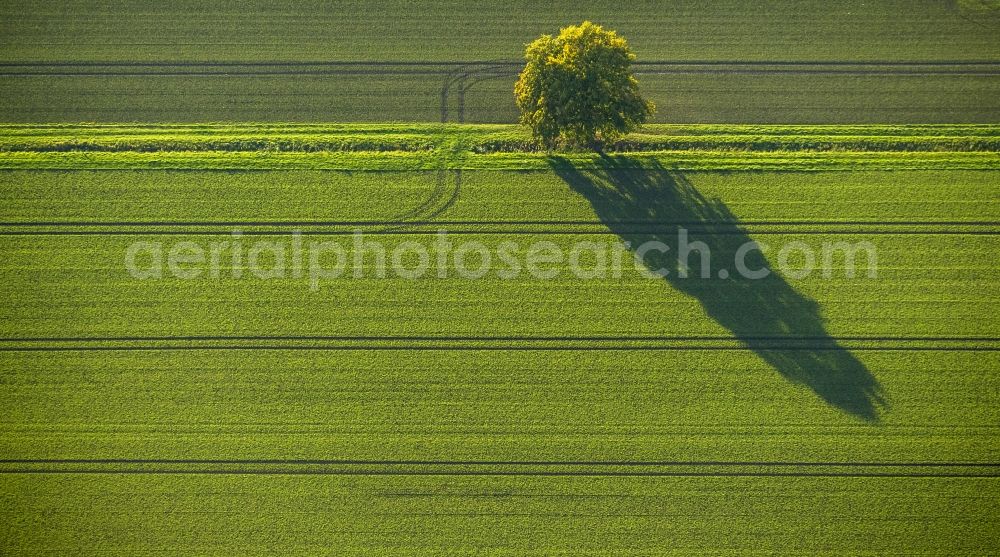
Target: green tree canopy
[(578, 90)]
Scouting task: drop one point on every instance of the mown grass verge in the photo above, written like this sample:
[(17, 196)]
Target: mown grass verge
[(433, 146), (402, 160), (485, 139)]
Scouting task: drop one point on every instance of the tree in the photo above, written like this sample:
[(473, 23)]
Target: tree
[(578, 90)]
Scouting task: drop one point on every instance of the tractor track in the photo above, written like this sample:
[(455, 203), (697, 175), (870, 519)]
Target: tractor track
[(402, 228), (447, 343), (460, 76), (639, 469)]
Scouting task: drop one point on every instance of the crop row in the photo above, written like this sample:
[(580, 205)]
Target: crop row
[(489, 405), (401, 160), (407, 515), (484, 196), (787, 30), (723, 96), (71, 285)]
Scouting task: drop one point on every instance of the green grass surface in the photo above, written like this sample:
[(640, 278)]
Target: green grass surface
[(249, 161), (245, 147), (485, 138), (568, 416)]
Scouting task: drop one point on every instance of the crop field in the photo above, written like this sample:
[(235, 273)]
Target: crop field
[(288, 279), (557, 414), (892, 61)]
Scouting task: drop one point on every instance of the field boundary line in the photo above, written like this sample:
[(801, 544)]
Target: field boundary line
[(420, 462), (498, 468), (515, 473), (501, 338), (451, 67), (427, 467), (399, 230), (494, 348), (506, 222), (501, 343)]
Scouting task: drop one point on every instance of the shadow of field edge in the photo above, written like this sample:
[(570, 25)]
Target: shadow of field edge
[(623, 189)]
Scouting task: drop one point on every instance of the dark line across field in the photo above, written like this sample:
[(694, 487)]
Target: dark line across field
[(471, 338), (602, 463), (887, 71), (398, 231), (353, 467), (500, 343), (501, 468), (507, 222), (274, 170), (506, 348), (443, 67), (512, 63), (255, 73), (260, 73), (508, 473)]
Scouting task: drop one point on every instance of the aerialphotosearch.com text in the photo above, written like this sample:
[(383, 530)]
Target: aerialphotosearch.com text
[(440, 255)]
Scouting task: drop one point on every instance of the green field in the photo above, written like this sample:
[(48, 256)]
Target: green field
[(290, 390), (419, 515), (620, 414), (892, 61), (285, 31)]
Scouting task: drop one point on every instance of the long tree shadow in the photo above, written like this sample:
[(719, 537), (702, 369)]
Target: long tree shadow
[(642, 202)]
